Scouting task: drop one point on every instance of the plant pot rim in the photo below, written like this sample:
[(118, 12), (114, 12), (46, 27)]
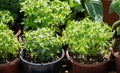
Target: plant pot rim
[(114, 54), (18, 32), (106, 0), (63, 53), (11, 67), (11, 62), (117, 41), (87, 65)]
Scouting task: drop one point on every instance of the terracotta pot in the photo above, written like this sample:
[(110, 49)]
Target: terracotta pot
[(108, 18), (88, 68), (11, 67), (117, 60), (116, 56)]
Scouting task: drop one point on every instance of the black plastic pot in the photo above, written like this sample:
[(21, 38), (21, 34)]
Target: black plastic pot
[(52, 67)]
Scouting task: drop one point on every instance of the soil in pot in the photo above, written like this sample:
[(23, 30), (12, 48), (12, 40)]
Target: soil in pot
[(98, 66), (49, 67)]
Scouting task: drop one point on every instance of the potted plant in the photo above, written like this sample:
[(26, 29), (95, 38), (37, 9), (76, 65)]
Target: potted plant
[(88, 43), (9, 50), (42, 51), (109, 16), (114, 7), (116, 49), (44, 13)]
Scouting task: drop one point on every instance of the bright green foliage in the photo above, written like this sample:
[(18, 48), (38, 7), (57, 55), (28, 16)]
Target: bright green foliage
[(42, 44), (12, 5), (6, 18), (42, 13), (115, 7), (9, 44), (88, 37), (3, 26)]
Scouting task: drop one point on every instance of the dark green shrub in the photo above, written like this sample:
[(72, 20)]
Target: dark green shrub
[(12, 5)]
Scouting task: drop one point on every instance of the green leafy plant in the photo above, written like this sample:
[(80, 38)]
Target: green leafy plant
[(93, 8), (88, 38), (115, 7), (12, 5), (9, 44), (44, 13), (6, 18), (116, 27), (3, 26), (42, 45)]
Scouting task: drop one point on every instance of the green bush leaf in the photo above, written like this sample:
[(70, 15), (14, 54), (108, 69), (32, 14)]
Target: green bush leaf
[(76, 4), (115, 7), (94, 9)]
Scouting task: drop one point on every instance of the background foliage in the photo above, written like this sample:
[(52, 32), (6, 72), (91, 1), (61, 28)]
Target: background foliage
[(42, 13)]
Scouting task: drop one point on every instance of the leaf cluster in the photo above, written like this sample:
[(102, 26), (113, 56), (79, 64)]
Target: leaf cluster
[(44, 13), (11, 5), (116, 27), (9, 44), (6, 18), (88, 37), (115, 7), (92, 8), (42, 44)]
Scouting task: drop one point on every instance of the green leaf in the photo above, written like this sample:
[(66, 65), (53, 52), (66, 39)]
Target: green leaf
[(76, 4), (116, 24), (94, 9), (115, 7), (118, 31)]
